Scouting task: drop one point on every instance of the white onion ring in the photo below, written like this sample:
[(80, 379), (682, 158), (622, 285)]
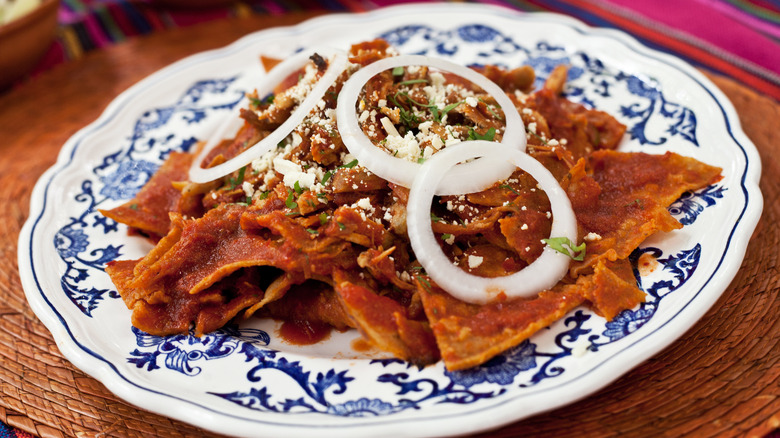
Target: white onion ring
[(540, 275), (336, 65), (469, 177)]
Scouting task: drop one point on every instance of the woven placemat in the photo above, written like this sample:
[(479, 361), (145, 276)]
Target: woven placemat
[(719, 379)]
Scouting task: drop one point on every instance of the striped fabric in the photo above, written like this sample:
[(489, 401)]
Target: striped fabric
[(749, 51), (736, 38)]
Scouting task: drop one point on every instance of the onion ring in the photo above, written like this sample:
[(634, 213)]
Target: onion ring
[(469, 177), (336, 65), (540, 275)]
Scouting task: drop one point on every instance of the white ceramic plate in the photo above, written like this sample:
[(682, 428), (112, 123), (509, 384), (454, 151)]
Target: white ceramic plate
[(243, 380)]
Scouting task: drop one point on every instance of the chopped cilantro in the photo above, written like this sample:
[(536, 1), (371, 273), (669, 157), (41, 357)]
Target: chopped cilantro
[(508, 187), (297, 187), (564, 246), (290, 202), (491, 110), (398, 71), (489, 135), (425, 284), (323, 218), (350, 165), (414, 81), (239, 179), (435, 218)]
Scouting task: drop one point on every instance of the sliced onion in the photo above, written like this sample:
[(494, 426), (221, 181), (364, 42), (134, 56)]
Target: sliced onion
[(468, 177), (540, 275), (336, 65)]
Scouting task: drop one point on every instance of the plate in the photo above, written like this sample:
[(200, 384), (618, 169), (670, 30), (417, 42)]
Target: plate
[(242, 380)]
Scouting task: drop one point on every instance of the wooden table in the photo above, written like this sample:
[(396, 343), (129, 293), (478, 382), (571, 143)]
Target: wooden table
[(720, 378)]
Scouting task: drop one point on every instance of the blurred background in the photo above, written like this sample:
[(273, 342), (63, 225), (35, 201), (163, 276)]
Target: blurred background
[(735, 38)]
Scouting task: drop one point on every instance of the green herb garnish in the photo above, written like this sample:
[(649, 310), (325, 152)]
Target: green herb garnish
[(290, 202), (326, 176), (425, 284), (564, 246), (489, 135), (508, 187), (491, 110), (413, 81), (239, 179), (398, 71), (350, 165)]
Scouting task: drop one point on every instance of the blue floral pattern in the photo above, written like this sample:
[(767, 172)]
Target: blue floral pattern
[(691, 205), (487, 45), (180, 351), (120, 174)]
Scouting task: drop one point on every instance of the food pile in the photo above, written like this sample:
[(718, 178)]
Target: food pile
[(445, 213)]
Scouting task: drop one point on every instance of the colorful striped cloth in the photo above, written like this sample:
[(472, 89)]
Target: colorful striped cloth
[(735, 38)]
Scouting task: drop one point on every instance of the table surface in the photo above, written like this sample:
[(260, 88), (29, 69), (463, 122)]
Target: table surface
[(720, 378)]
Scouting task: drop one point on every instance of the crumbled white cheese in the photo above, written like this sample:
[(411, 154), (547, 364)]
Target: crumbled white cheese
[(436, 92), (248, 188), (472, 101), (474, 261), (293, 173), (403, 147), (590, 237), (365, 204)]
